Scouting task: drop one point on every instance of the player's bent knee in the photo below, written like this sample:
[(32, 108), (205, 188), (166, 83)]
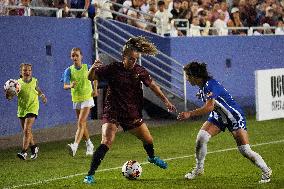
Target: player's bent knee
[(203, 136), (106, 142), (246, 151)]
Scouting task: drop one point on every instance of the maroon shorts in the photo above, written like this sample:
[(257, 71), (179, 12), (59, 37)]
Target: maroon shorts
[(125, 123)]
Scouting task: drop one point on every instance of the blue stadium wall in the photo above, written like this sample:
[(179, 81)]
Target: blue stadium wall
[(46, 43), (232, 60)]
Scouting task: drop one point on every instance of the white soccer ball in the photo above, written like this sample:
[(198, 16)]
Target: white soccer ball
[(131, 170), (12, 87)]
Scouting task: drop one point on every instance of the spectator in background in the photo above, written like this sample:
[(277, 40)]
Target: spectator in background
[(194, 8), (43, 3), (194, 29), (23, 11), (214, 14), (177, 9), (145, 6), (64, 5), (204, 22), (280, 28), (268, 17), (162, 19), (152, 10), (235, 21), (221, 25), (80, 4), (103, 4), (3, 10), (224, 8), (136, 4)]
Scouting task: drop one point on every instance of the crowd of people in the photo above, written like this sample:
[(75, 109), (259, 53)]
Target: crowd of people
[(198, 16)]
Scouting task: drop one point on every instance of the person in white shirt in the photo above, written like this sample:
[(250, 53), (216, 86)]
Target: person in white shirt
[(221, 25), (162, 19), (103, 4), (194, 29), (280, 28)]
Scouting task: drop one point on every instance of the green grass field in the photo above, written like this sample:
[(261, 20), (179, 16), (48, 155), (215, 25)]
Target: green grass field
[(225, 166)]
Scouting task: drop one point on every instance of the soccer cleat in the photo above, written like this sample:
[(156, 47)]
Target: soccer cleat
[(34, 152), (265, 177), (159, 162), (90, 149), (194, 173), (22, 155), (72, 149), (89, 179)]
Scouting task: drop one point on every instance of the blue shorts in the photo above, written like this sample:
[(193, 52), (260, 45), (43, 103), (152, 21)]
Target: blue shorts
[(224, 122)]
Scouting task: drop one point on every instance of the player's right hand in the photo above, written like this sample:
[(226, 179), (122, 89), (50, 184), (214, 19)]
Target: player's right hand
[(9, 94), (73, 84), (97, 63)]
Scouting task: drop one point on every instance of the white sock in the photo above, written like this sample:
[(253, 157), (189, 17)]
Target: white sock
[(254, 157), (89, 142), (201, 148), (75, 145)]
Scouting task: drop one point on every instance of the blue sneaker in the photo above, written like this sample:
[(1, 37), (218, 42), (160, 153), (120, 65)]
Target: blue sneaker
[(89, 179), (159, 162)]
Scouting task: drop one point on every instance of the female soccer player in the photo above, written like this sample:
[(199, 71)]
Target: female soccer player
[(82, 92), (124, 100), (224, 113), (28, 106)]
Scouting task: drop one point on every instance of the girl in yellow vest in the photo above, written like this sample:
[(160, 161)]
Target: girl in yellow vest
[(76, 78), (28, 106)]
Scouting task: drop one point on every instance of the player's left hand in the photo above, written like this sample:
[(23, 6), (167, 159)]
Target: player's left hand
[(43, 98), (183, 115), (171, 107)]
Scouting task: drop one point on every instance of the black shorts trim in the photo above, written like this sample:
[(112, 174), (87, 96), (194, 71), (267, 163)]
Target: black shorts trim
[(29, 115)]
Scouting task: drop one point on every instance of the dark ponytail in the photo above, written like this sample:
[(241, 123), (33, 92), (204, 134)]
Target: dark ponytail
[(197, 69)]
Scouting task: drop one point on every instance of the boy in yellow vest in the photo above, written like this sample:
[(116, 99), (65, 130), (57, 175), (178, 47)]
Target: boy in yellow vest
[(76, 79)]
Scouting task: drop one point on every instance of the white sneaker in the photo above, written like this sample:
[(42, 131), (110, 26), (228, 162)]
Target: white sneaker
[(90, 149), (265, 177), (34, 153), (194, 173), (22, 155), (72, 149)]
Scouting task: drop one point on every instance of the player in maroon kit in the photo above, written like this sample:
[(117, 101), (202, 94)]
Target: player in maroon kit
[(124, 100)]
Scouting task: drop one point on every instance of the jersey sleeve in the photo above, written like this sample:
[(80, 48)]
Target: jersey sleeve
[(67, 76), (212, 90), (145, 77), (104, 72)]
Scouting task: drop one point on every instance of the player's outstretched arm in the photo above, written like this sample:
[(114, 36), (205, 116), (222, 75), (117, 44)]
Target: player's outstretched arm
[(206, 108), (156, 89)]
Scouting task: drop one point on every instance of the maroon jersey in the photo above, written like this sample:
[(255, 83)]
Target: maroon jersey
[(124, 98)]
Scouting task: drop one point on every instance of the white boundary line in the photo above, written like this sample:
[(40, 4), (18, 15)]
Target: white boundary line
[(114, 168)]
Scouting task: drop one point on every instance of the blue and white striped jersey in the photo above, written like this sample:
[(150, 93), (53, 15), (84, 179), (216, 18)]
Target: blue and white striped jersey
[(225, 106)]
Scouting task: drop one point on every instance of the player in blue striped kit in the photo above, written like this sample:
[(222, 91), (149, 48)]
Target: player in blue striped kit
[(224, 113)]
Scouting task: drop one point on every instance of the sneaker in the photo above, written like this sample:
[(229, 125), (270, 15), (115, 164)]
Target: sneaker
[(90, 149), (159, 162), (34, 152), (72, 149), (194, 173), (265, 177), (89, 179), (22, 155)]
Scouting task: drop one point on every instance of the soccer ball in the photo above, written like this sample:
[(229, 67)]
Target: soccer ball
[(12, 87), (131, 170)]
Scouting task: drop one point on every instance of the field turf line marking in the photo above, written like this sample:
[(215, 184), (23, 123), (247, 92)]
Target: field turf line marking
[(114, 168)]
